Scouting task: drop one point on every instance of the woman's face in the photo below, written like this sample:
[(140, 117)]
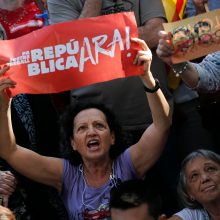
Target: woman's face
[(92, 137), (11, 5), (203, 180)]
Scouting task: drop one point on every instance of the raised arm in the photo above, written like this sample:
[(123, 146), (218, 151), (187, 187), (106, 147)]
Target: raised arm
[(204, 76), (149, 31), (91, 8), (165, 51), (148, 149), (61, 10), (152, 17), (42, 169)]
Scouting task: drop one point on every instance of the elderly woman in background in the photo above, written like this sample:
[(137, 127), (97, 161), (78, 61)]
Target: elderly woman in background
[(199, 187), (85, 185)]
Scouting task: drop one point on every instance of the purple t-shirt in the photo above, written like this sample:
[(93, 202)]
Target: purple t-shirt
[(85, 202)]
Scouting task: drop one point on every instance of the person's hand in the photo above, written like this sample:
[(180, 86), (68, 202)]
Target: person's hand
[(200, 6), (162, 217), (165, 48), (5, 83), (143, 57), (8, 184)]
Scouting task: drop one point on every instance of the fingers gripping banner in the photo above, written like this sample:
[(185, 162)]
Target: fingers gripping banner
[(72, 54)]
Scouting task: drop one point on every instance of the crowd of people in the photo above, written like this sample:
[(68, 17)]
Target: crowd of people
[(124, 144)]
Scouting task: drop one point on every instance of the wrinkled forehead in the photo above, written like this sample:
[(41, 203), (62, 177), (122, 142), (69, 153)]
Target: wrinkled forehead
[(89, 115), (199, 163)]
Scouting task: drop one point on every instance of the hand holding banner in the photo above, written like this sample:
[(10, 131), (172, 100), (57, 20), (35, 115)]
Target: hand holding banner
[(69, 55)]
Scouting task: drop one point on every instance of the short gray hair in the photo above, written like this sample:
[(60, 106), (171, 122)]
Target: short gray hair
[(182, 184)]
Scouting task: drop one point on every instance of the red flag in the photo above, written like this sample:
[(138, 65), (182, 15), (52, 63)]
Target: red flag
[(69, 55)]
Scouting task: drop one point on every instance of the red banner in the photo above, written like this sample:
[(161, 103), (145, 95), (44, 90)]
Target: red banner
[(69, 55)]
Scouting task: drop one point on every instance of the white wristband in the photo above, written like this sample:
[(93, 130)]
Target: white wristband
[(178, 69)]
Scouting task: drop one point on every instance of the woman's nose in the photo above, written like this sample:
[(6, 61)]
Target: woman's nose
[(91, 130), (205, 177)]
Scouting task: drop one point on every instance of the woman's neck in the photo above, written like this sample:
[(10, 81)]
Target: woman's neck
[(97, 174), (214, 210)]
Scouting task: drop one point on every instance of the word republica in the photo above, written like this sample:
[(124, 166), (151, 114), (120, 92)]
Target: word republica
[(74, 54)]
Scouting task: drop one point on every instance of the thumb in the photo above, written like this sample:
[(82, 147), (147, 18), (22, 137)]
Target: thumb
[(164, 35), (4, 69)]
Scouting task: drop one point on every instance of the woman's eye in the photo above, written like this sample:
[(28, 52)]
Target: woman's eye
[(81, 128), (211, 169), (194, 177), (99, 126)]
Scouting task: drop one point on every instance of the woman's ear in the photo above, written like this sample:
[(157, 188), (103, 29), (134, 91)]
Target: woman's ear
[(191, 197), (72, 144), (112, 138)]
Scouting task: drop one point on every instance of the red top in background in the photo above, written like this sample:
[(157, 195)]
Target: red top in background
[(19, 22)]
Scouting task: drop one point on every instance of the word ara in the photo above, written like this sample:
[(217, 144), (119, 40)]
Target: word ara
[(75, 54)]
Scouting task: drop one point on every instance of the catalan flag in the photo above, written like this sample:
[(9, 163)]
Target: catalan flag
[(174, 9)]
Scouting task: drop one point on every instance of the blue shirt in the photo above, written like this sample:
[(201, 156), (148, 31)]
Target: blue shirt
[(209, 73), (193, 214), (190, 9)]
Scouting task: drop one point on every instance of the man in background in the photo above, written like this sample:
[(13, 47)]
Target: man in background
[(133, 200)]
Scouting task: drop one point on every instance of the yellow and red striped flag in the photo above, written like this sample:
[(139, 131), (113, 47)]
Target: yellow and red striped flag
[(174, 9)]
